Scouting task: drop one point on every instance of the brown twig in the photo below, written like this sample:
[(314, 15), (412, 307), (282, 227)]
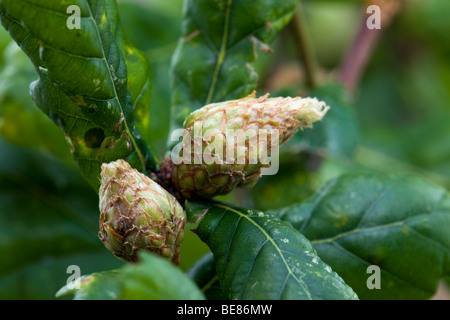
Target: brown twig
[(164, 178), (365, 41)]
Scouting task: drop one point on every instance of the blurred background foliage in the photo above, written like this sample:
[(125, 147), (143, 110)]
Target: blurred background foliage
[(397, 121)]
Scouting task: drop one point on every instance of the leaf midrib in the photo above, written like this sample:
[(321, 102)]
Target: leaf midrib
[(379, 227), (272, 241), (222, 53), (116, 97)]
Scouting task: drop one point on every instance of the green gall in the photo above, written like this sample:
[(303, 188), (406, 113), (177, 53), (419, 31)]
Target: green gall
[(136, 213)]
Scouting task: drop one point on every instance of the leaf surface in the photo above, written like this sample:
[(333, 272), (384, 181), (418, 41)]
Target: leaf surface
[(397, 222), (92, 84), (153, 278), (218, 44), (337, 135), (260, 257)]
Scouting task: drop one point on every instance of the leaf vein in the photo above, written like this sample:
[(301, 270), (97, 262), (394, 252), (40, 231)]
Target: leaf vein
[(116, 97), (354, 256), (222, 53), (274, 244)]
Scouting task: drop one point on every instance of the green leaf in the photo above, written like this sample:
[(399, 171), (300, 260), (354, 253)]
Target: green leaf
[(5, 40), (434, 151), (48, 222), (153, 278), (213, 60), (337, 134), (398, 222), (97, 286), (21, 123), (83, 81), (203, 273), (295, 181), (139, 86), (156, 278), (260, 257), (142, 22)]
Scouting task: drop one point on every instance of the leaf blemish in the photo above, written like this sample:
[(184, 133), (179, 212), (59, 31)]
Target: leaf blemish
[(94, 137)]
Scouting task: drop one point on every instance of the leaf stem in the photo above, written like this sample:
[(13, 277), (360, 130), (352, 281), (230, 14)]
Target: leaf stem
[(210, 283), (302, 39), (222, 52)]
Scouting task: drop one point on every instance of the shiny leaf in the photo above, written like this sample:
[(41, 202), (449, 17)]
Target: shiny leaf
[(84, 85), (397, 222), (153, 278), (218, 44), (279, 262)]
